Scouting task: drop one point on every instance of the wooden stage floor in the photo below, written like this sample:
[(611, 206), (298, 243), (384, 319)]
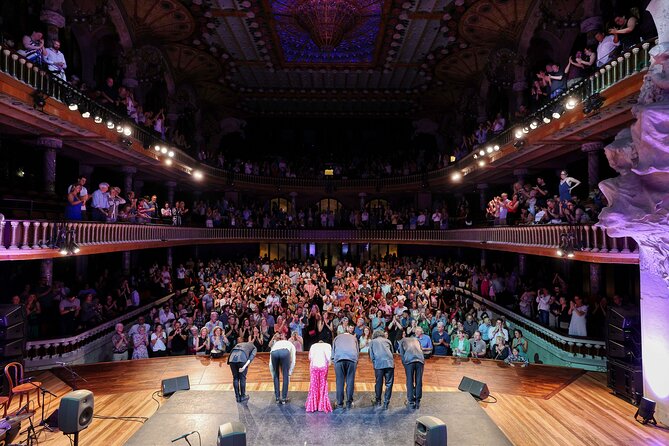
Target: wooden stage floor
[(539, 404)]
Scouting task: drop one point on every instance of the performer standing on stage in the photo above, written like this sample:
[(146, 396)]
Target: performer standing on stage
[(319, 358), (282, 358), (381, 354), (345, 353), (413, 359), (240, 357)]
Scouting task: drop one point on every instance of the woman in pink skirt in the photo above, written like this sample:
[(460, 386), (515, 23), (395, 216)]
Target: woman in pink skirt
[(319, 357)]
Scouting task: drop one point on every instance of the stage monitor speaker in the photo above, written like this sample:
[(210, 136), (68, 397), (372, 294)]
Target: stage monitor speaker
[(75, 412), (231, 434), (171, 385), (618, 334), (11, 314), (626, 380), (477, 389), (9, 349), (430, 431), (16, 331), (623, 318)]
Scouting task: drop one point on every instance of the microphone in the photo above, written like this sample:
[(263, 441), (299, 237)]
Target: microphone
[(23, 409), (183, 436), (28, 379)]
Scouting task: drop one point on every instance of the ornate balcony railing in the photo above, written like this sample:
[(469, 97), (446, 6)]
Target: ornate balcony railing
[(31, 239), (629, 63), (574, 350)]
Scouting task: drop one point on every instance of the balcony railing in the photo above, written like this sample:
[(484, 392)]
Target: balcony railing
[(37, 239), (629, 63)]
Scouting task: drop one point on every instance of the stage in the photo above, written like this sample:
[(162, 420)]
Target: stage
[(269, 423), (538, 404)]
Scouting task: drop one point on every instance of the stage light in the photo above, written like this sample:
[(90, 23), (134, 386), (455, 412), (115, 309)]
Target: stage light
[(560, 253), (39, 100), (526, 130), (475, 156), (170, 153), (168, 161), (74, 248), (481, 152), (198, 175), (97, 119), (546, 119), (556, 115), (84, 113), (570, 255), (646, 411), (481, 163), (110, 124), (457, 176), (163, 150), (127, 130), (495, 148), (534, 124), (571, 103), (488, 149), (156, 148), (518, 133), (71, 101), (119, 128), (518, 144)]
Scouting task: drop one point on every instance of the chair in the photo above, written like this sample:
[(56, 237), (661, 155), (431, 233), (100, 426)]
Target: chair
[(14, 375)]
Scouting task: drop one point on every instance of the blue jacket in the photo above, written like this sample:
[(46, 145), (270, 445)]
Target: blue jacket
[(381, 353)]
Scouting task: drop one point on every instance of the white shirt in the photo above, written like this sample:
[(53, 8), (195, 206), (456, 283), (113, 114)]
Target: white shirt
[(287, 345), (160, 342), (54, 57), (544, 301), (320, 354), (604, 50)]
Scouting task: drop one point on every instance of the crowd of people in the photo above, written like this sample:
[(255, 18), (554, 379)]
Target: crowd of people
[(533, 204)]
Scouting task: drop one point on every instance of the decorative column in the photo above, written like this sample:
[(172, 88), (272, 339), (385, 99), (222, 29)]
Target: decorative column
[(483, 202), (484, 257), (293, 202), (595, 279), (50, 147), (137, 187), (639, 155), (52, 16), (125, 264), (46, 268), (362, 196), (129, 172), (169, 258), (171, 187), (81, 266), (593, 149), (522, 265)]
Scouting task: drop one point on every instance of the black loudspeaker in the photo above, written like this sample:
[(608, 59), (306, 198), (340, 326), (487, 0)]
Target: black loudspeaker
[(430, 431), (231, 434), (11, 314), (16, 331), (625, 379), (169, 386), (623, 318), (75, 412), (12, 348), (478, 389)]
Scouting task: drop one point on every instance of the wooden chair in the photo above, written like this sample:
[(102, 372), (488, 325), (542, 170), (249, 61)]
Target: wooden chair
[(14, 375)]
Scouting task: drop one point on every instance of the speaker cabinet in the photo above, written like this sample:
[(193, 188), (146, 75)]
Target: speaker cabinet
[(75, 412), (11, 315), (623, 318), (477, 389), (231, 434), (12, 348), (430, 431), (16, 331), (169, 386), (626, 380)]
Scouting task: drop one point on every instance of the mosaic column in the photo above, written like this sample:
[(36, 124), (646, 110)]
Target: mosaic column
[(50, 147), (593, 149)]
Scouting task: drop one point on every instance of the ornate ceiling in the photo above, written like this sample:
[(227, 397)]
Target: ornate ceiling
[(332, 56)]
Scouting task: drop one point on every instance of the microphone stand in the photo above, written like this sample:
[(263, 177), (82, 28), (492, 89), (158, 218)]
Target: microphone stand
[(44, 391), (74, 374)]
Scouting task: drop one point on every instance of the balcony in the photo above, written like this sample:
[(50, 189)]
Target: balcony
[(36, 239), (618, 83)]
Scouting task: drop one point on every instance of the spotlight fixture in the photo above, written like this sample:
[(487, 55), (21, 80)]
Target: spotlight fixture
[(127, 130), (571, 103), (457, 176), (488, 149), (518, 133), (110, 124), (163, 150), (568, 245), (495, 148), (534, 124), (546, 119), (481, 163), (97, 119), (519, 144), (65, 241), (71, 101), (168, 161), (85, 113), (481, 152), (39, 100), (170, 153), (475, 156), (526, 130), (646, 411), (198, 175), (119, 128), (593, 103), (156, 148)]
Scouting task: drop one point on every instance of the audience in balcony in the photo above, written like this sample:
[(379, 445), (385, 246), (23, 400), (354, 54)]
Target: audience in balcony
[(55, 60), (607, 46), (33, 47)]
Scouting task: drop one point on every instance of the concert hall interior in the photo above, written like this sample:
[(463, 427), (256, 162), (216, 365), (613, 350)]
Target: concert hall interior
[(318, 222)]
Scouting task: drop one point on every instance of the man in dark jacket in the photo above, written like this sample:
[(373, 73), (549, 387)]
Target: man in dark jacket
[(381, 354), (240, 357), (345, 352), (413, 360)]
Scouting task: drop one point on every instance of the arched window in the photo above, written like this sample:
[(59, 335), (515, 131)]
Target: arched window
[(329, 204), (280, 203), (378, 203)]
